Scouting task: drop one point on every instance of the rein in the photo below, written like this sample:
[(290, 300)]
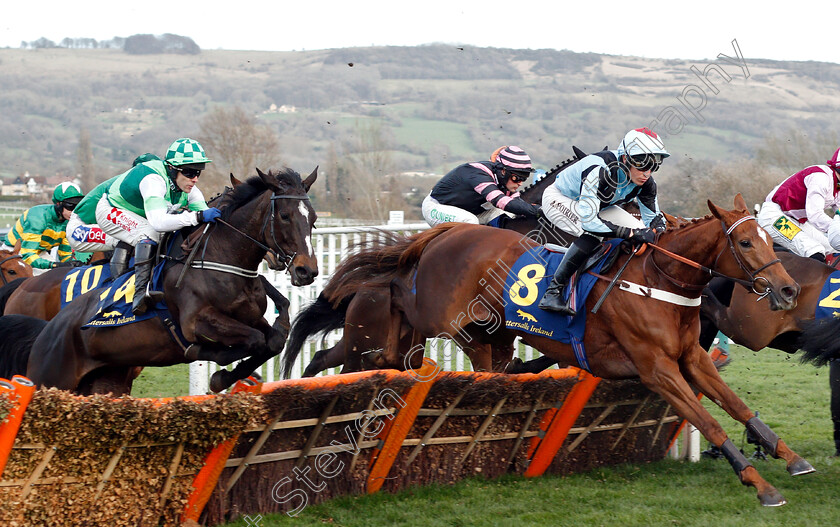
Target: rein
[(749, 284), (4, 260), (280, 255)]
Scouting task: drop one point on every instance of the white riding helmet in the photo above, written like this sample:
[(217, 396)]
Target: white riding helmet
[(642, 141)]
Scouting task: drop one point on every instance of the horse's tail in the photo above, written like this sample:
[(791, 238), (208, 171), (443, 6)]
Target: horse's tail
[(411, 254), (7, 290), (378, 262), (319, 317), (19, 332), (819, 341)]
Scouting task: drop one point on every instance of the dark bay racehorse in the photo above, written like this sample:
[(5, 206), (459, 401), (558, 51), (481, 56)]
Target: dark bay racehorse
[(40, 296), (632, 335), (365, 316), (219, 302)]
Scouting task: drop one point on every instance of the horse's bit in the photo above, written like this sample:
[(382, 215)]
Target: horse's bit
[(280, 255), (750, 284)]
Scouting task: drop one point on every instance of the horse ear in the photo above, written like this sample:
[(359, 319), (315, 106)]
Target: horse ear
[(268, 179), (17, 247), (310, 179), (716, 211), (740, 204), (233, 181)]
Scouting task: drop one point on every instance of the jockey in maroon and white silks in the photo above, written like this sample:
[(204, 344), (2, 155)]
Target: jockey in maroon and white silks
[(794, 211), (478, 192)]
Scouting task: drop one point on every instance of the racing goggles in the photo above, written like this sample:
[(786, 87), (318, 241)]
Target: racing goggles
[(519, 177), (70, 204), (190, 173), (645, 162)]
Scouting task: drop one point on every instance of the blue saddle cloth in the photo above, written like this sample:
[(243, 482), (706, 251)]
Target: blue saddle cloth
[(83, 279), (829, 301), (525, 285), (115, 301)]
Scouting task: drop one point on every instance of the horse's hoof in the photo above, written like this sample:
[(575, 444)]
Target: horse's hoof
[(772, 498), (514, 366), (192, 351), (221, 380), (799, 467)]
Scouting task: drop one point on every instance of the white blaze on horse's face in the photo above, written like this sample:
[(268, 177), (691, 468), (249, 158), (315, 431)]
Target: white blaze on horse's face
[(305, 211), (763, 235)]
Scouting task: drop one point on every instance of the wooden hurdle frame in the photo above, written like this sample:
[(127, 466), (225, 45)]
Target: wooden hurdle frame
[(436, 426)]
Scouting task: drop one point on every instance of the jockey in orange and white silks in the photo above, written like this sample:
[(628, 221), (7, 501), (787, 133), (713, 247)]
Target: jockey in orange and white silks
[(478, 192), (794, 212)]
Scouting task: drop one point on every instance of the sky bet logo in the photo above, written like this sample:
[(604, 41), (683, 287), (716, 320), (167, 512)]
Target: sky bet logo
[(86, 234)]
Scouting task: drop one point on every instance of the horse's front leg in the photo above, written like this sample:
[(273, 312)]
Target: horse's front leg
[(236, 340), (699, 369), (325, 359), (662, 375), (282, 324)]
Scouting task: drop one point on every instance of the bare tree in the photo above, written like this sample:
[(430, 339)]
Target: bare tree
[(796, 150), (684, 189), (364, 177), (84, 161), (237, 144)]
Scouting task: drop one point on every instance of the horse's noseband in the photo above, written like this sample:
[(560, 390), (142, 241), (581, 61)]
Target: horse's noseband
[(754, 275), (283, 258)]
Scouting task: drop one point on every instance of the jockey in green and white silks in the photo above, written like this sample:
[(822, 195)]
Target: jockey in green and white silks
[(83, 233), (41, 229), (151, 198)]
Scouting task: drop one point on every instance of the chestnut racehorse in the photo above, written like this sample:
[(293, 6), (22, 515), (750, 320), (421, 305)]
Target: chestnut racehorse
[(12, 265), (652, 334), (40, 296), (364, 312)]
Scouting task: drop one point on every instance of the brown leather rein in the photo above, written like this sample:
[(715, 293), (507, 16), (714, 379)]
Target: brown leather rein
[(754, 275)]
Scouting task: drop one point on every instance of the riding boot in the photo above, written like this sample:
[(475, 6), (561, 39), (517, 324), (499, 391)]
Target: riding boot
[(575, 257), (119, 259), (144, 260)]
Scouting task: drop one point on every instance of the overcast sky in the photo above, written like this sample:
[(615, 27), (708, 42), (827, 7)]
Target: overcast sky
[(656, 29)]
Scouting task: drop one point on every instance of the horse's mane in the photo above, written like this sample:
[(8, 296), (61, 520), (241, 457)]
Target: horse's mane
[(254, 186), (538, 185), (375, 257), (378, 261)]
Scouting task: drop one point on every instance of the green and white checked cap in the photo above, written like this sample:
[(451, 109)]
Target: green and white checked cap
[(185, 151), (66, 190)]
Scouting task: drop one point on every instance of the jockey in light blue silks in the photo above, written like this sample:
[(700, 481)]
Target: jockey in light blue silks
[(575, 201)]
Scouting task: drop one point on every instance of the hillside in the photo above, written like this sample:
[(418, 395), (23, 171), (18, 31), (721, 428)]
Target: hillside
[(433, 106)]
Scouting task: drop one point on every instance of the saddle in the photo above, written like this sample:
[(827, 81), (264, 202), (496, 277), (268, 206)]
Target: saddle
[(599, 254)]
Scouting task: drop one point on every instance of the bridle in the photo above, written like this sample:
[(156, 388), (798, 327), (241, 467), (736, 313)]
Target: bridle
[(750, 284), (285, 259), (4, 260)]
